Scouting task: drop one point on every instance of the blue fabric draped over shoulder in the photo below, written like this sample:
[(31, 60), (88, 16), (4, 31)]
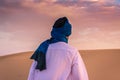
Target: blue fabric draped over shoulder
[(57, 35)]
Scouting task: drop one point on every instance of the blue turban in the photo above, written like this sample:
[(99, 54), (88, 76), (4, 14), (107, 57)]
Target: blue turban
[(58, 34)]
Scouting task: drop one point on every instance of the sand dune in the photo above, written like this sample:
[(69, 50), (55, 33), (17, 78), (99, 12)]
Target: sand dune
[(100, 64)]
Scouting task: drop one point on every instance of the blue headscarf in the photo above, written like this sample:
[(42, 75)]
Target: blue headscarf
[(57, 35)]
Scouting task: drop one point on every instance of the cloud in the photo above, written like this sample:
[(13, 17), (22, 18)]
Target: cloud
[(11, 3), (29, 21), (13, 44), (63, 7), (88, 31), (115, 33), (96, 38), (67, 2)]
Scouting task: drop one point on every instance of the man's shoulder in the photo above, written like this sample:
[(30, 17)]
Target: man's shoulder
[(63, 46)]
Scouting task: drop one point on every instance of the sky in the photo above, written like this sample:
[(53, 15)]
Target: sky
[(24, 24)]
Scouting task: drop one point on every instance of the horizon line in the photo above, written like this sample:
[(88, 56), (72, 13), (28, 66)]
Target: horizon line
[(78, 50)]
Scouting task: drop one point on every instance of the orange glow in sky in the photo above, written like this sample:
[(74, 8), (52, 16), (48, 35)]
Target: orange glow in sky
[(24, 24)]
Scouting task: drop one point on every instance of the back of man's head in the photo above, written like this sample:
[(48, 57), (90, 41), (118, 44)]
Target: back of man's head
[(60, 22)]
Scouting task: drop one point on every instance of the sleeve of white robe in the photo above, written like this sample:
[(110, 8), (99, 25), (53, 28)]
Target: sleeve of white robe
[(79, 71), (32, 71)]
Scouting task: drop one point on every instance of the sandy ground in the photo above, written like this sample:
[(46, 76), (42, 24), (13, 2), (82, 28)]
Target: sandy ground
[(100, 64)]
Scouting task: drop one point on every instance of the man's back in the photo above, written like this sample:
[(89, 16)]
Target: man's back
[(63, 63)]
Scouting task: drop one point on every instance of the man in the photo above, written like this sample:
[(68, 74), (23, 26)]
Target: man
[(55, 59)]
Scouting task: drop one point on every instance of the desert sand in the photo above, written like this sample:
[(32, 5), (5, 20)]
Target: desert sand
[(100, 64)]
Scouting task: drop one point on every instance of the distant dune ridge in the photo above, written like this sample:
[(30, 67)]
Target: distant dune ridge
[(100, 64)]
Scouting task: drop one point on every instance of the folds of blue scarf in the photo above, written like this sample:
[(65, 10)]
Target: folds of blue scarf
[(58, 35)]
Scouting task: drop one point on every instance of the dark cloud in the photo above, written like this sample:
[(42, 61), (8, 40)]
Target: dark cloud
[(37, 1), (77, 3), (10, 4), (2, 2), (85, 7), (67, 3), (91, 6)]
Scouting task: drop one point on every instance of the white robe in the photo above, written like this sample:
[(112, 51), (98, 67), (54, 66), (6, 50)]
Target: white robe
[(63, 62)]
